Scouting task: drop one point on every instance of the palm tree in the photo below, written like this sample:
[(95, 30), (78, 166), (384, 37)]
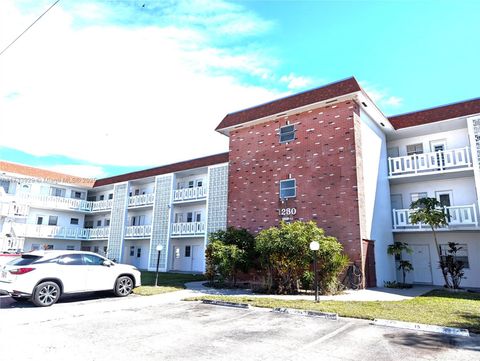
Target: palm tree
[(430, 211)]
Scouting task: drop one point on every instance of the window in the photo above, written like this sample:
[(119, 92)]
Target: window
[(191, 184), (5, 184), (287, 133), (70, 248), (77, 195), (415, 149), (110, 196), (187, 251), (198, 216), (416, 196), (40, 220), (137, 192), (139, 252), (462, 254), (92, 260), (107, 222), (86, 248), (73, 220), (288, 188), (95, 249), (178, 218), (105, 249), (52, 220), (88, 224), (71, 260), (132, 251), (91, 198), (48, 247), (199, 183), (189, 217), (102, 197), (57, 192), (99, 223)]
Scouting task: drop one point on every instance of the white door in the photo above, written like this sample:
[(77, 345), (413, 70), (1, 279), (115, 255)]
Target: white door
[(197, 258), (176, 258), (422, 267)]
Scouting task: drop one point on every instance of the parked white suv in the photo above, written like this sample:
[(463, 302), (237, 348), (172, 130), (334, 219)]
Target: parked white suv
[(43, 276)]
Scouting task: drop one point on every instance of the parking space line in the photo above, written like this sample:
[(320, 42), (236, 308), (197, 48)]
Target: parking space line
[(328, 336)]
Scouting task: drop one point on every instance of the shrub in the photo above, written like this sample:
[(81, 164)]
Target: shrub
[(228, 252), (285, 256)]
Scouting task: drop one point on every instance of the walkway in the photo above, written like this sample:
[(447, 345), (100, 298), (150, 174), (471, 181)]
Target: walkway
[(371, 294)]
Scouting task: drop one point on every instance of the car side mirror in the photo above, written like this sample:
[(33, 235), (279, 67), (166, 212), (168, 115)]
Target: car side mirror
[(107, 263)]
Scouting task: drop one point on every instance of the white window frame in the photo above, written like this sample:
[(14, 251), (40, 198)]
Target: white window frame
[(416, 196), (51, 218), (415, 145)]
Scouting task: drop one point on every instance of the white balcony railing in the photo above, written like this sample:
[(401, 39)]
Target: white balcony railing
[(11, 209), (186, 194), (188, 228), (44, 201), (98, 233), (8, 244), (141, 200), (60, 232), (100, 205), (458, 216), (433, 162), (138, 231)]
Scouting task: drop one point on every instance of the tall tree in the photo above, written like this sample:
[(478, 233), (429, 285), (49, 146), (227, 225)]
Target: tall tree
[(429, 211)]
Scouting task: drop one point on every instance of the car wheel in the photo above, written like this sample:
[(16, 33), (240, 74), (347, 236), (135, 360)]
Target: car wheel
[(123, 286), (46, 294)]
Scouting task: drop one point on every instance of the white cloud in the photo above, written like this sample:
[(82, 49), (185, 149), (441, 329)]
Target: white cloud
[(85, 171), (381, 95), (295, 82), (125, 95)]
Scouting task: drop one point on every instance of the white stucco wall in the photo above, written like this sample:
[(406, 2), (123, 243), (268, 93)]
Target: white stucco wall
[(377, 196)]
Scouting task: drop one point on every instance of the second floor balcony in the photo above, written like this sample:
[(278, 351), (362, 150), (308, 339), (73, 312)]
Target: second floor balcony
[(189, 194), (144, 231), (443, 161), (459, 217), (188, 229)]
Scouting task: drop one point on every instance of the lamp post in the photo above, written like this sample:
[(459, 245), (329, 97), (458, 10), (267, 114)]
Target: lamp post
[(315, 246), (159, 250)]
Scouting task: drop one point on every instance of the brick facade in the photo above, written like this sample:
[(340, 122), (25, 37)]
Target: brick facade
[(321, 159)]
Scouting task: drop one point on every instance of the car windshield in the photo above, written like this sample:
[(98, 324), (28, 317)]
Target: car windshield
[(25, 260)]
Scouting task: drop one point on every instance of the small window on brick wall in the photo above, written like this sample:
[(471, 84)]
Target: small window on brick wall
[(287, 133), (288, 188)]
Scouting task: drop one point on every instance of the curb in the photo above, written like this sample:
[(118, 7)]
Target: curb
[(422, 327), (293, 311), (226, 303)]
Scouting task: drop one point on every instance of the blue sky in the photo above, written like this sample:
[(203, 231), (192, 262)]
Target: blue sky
[(98, 88)]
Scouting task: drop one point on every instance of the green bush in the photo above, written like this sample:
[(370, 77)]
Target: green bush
[(285, 255), (228, 252)]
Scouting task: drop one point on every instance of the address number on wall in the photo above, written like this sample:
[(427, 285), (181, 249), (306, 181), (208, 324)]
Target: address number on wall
[(288, 211)]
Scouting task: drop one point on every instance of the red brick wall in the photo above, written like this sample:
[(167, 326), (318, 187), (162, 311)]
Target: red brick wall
[(321, 159)]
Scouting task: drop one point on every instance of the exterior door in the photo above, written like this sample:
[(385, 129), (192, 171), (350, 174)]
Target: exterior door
[(422, 267), (197, 258), (176, 258)]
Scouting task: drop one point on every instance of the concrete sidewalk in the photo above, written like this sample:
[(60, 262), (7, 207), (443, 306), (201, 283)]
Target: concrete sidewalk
[(371, 294)]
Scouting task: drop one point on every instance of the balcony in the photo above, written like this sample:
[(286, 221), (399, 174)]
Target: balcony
[(458, 216), (11, 209), (104, 205), (141, 200), (44, 201), (138, 231), (188, 229), (60, 232), (9, 244), (430, 163), (190, 194)]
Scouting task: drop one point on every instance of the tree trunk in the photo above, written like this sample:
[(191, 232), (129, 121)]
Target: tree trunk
[(444, 273)]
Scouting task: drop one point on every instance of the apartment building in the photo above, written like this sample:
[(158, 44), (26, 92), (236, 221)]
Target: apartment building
[(327, 155)]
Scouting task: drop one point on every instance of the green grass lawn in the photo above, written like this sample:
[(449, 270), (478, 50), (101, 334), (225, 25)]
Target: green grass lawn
[(437, 307), (167, 282)]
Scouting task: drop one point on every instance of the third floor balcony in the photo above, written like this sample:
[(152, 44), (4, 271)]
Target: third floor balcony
[(439, 162)]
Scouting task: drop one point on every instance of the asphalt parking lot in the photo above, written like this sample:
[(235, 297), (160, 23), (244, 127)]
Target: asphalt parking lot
[(101, 327)]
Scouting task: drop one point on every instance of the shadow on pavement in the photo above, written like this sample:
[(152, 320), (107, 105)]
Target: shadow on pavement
[(9, 302), (434, 341)]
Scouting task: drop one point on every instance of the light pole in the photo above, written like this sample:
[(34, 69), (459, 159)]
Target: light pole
[(159, 250), (315, 246)]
